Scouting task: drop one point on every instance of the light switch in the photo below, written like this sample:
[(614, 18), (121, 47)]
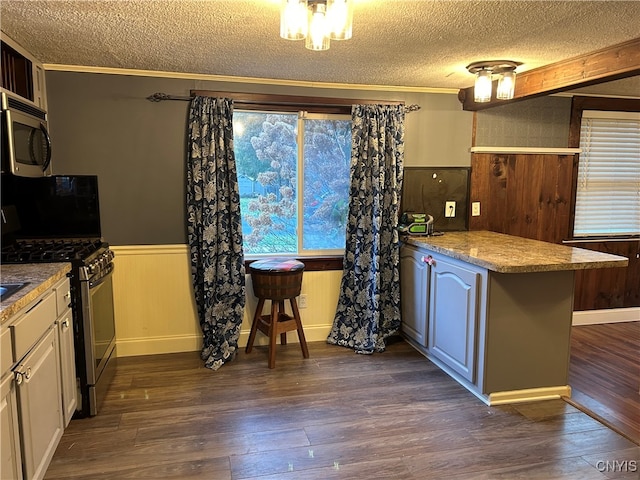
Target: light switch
[(475, 209)]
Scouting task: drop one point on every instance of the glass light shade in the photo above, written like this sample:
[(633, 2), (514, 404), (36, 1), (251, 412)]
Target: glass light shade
[(506, 85), (340, 15), (293, 19), (482, 88), (319, 30)]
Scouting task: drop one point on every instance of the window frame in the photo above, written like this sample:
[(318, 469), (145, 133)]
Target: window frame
[(578, 105), (302, 116)]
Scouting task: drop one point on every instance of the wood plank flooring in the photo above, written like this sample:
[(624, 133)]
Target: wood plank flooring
[(336, 415), (604, 374)]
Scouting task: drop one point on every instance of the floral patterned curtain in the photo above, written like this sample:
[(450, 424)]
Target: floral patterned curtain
[(214, 228), (368, 309)]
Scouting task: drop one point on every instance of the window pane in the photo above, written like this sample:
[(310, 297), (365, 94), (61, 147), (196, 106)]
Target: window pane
[(266, 152), (266, 146), (608, 191), (327, 155)]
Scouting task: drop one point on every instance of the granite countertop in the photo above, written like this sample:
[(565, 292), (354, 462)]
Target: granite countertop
[(41, 277), (510, 254)]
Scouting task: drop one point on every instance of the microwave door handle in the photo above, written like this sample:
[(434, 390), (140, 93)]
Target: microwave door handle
[(47, 139), (11, 150)]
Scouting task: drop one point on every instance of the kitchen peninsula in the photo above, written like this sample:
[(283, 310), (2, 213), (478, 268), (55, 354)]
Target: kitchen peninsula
[(494, 311)]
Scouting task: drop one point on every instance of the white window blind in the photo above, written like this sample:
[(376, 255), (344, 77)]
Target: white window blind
[(608, 193)]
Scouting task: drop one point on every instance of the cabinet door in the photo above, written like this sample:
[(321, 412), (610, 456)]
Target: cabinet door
[(40, 405), (453, 315), (11, 467), (414, 294), (67, 366)]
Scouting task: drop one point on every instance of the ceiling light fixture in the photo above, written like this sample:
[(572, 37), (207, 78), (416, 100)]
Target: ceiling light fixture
[(484, 71), (317, 21)]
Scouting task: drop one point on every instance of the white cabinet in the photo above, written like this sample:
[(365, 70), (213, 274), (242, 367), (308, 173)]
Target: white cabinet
[(10, 460), (37, 380), (39, 401), (22, 74), (414, 294), (64, 325), (453, 314)]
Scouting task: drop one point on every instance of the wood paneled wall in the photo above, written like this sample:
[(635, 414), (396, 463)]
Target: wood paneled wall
[(530, 195), (610, 287), (522, 194)]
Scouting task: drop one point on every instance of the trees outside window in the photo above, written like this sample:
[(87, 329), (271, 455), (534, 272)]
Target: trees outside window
[(293, 173)]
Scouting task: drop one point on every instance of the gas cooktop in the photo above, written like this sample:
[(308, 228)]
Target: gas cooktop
[(50, 250)]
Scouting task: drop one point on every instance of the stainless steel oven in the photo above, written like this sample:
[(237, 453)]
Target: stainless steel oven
[(57, 219), (98, 321)]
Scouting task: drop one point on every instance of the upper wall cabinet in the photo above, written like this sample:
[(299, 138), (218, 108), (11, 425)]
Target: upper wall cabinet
[(22, 74)]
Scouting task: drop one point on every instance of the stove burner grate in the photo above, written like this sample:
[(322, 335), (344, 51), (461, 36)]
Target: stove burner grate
[(49, 250)]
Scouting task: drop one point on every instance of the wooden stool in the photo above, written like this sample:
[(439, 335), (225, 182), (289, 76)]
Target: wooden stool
[(276, 280)]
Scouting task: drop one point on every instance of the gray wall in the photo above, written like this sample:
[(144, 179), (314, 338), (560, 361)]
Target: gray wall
[(539, 122), (102, 124)]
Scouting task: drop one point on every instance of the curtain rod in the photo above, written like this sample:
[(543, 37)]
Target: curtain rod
[(159, 97)]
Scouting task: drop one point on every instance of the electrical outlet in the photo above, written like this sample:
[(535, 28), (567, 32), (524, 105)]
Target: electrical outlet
[(475, 209), (450, 209), (302, 301)]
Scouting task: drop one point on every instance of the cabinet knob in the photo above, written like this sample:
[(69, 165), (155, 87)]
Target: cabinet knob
[(18, 377), (27, 375), (428, 260), (65, 324)]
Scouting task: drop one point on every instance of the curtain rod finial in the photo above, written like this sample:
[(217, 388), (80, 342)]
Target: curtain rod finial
[(158, 97)]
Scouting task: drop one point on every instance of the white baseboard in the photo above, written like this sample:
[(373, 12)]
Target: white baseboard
[(529, 395), (132, 347), (611, 315)]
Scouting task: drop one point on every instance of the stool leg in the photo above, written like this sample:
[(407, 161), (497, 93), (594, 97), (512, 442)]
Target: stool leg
[(296, 315), (254, 325), (283, 335), (273, 334)]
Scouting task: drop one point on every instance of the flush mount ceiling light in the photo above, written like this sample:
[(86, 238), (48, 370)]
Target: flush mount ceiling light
[(317, 21), (484, 71)]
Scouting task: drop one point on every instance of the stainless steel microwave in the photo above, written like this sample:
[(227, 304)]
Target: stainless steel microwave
[(26, 146)]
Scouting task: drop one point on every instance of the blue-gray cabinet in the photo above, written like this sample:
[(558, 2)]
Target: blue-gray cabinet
[(453, 314), (505, 337), (414, 294)]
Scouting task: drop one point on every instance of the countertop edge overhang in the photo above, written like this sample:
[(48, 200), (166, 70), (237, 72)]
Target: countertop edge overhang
[(41, 277), (503, 253)]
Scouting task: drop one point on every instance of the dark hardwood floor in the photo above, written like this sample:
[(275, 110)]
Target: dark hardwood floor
[(604, 374), (337, 415)]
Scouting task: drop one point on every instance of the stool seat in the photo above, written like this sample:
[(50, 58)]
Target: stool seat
[(276, 280)]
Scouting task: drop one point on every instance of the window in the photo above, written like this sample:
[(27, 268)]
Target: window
[(608, 188), (293, 174)]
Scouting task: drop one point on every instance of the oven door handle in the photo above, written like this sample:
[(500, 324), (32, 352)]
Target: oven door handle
[(109, 271)]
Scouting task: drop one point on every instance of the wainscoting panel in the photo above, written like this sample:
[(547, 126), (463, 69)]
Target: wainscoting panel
[(155, 311)]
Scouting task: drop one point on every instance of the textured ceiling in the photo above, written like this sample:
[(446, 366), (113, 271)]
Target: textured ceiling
[(424, 44)]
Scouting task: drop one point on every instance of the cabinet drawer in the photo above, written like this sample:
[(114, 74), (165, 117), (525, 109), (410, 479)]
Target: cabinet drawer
[(63, 295), (6, 352), (32, 325)]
